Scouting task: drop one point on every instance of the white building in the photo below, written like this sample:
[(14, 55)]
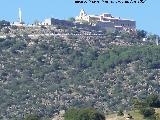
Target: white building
[(106, 20), (47, 21)]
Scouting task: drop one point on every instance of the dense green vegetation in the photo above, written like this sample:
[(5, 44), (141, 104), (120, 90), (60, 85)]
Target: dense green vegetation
[(48, 74), (31, 117), (147, 106), (4, 23), (83, 114), (148, 56), (144, 109)]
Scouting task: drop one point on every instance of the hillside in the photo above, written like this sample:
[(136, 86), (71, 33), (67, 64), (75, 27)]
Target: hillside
[(135, 114), (47, 74)]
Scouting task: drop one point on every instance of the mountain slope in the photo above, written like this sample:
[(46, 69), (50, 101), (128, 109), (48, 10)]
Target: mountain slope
[(49, 74)]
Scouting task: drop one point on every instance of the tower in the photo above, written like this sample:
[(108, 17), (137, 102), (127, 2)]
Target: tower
[(20, 15), (82, 13)]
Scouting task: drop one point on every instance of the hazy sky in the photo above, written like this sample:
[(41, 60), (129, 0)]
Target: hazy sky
[(147, 15)]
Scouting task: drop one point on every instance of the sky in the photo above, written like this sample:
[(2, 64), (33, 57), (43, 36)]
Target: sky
[(146, 15)]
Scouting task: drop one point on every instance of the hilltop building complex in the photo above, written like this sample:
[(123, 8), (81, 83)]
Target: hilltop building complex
[(106, 21)]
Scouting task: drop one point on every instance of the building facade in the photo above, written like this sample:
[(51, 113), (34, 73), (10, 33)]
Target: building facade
[(53, 21), (106, 21)]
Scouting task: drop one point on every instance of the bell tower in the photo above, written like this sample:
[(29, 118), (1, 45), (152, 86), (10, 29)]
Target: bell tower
[(82, 13)]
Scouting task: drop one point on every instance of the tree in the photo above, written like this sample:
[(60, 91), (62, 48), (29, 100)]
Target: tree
[(31, 117), (71, 19), (147, 112), (141, 34), (153, 100), (90, 114), (5, 30), (83, 114), (71, 114), (4, 23), (138, 104)]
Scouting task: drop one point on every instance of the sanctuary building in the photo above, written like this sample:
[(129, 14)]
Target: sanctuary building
[(106, 21)]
